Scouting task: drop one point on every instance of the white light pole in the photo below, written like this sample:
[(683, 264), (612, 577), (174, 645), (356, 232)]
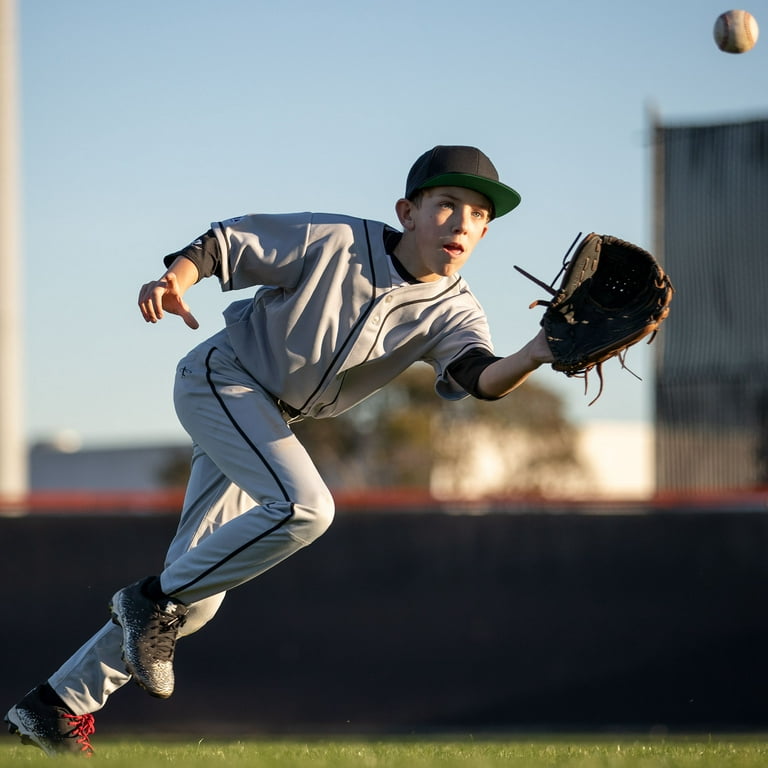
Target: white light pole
[(13, 450)]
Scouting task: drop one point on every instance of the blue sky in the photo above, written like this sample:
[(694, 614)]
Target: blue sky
[(144, 121)]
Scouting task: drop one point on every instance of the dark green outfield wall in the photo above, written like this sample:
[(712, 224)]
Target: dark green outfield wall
[(422, 622)]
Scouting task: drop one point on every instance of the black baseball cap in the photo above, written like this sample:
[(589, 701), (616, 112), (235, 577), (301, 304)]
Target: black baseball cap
[(446, 166)]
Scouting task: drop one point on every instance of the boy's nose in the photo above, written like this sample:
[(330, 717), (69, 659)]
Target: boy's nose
[(460, 221)]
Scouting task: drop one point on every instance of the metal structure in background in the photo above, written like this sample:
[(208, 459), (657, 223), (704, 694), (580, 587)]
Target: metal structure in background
[(711, 222), (13, 451)]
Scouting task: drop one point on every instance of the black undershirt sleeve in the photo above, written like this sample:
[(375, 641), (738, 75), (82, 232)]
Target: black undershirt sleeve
[(466, 370), (203, 253)]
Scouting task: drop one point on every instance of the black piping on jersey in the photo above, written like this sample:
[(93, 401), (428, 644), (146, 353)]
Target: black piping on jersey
[(360, 320), (272, 472), (407, 304)]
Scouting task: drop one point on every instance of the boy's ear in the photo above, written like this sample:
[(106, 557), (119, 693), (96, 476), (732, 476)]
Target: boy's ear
[(404, 209)]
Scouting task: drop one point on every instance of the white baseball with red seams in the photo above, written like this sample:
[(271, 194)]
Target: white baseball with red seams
[(736, 31)]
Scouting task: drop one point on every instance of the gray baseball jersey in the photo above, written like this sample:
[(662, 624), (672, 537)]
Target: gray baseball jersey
[(329, 328)]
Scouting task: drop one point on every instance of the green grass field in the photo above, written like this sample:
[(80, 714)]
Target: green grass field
[(540, 752)]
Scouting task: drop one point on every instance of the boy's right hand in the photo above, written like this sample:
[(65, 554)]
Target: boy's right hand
[(165, 295)]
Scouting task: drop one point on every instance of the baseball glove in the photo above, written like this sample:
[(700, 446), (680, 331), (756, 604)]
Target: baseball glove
[(612, 294)]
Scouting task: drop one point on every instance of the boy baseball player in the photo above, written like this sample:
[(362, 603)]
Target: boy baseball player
[(342, 306)]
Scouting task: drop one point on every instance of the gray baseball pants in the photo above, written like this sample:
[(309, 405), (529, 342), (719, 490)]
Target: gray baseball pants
[(254, 497)]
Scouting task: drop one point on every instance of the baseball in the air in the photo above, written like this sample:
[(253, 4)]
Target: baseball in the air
[(736, 31)]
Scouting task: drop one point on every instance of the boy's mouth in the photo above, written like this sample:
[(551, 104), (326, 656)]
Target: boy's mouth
[(454, 249)]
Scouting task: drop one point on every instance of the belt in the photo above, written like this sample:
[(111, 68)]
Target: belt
[(290, 414)]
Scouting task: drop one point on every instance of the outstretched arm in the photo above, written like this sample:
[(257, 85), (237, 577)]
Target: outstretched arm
[(166, 294), (504, 375)]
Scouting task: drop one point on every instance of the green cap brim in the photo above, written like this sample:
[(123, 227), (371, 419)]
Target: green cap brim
[(504, 198)]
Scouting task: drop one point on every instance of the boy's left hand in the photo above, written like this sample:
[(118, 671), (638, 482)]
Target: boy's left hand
[(539, 348)]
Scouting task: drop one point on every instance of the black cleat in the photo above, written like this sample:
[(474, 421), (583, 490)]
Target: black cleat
[(150, 630), (56, 730)]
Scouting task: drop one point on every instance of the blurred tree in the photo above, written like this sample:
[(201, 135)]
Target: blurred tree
[(174, 471), (407, 436)]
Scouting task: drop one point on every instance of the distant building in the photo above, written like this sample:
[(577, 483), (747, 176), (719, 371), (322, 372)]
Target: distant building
[(53, 467)]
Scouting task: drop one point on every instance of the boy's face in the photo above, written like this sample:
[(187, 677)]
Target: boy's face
[(445, 227)]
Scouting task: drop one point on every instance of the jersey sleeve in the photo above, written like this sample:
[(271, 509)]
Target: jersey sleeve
[(463, 348), (262, 249)]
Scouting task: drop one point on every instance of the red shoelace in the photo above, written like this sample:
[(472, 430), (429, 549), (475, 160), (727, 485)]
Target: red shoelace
[(82, 727)]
